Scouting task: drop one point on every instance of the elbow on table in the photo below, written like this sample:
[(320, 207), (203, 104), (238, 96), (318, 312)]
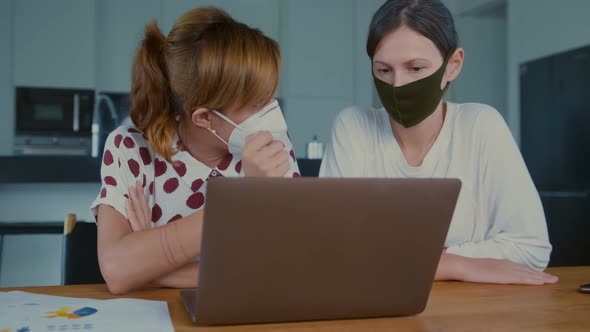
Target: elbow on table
[(115, 277)]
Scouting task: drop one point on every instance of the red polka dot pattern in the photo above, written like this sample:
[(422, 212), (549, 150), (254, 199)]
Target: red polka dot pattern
[(118, 140), (109, 180), (160, 167), (171, 185), (174, 189), (108, 158), (225, 163), (180, 168), (176, 217), (197, 184), (156, 213), (195, 201), (133, 167), (128, 142), (145, 155)]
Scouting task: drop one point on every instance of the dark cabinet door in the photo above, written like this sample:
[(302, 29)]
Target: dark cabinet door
[(541, 144), (568, 222), (572, 79), (555, 120), (555, 143)]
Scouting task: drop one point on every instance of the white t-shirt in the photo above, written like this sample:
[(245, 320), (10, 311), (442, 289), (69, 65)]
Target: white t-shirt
[(173, 191), (498, 213)]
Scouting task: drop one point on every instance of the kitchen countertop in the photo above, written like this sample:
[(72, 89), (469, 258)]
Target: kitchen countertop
[(56, 169)]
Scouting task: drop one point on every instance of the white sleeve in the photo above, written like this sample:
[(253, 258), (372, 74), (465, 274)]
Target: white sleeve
[(121, 167), (294, 167), (517, 229), (344, 152)]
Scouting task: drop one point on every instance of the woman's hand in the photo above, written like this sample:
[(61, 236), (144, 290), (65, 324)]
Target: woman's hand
[(265, 157), (489, 270), (503, 271), (138, 212)]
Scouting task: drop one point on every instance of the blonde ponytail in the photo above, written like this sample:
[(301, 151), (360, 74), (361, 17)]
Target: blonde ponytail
[(151, 96)]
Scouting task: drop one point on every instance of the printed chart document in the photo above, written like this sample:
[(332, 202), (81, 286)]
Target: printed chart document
[(28, 312)]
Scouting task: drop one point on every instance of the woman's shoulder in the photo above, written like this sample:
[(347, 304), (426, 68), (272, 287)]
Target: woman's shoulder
[(483, 126), (360, 120), (128, 137), (480, 117), (126, 142)]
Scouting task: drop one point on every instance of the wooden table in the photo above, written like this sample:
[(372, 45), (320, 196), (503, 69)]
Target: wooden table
[(452, 306)]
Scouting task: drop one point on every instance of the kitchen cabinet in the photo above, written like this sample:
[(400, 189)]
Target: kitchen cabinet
[(120, 29), (54, 43), (555, 137)]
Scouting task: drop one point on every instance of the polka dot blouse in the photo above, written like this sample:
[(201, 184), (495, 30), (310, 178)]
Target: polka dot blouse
[(173, 190)]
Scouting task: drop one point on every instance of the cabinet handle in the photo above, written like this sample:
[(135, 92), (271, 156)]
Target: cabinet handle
[(76, 117)]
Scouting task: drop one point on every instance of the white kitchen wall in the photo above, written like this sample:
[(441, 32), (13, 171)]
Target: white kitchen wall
[(119, 29), (471, 7), (6, 88), (484, 74), (325, 66), (54, 43), (261, 14)]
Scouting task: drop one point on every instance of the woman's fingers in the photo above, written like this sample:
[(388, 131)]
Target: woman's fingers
[(143, 204), (138, 211), (136, 225)]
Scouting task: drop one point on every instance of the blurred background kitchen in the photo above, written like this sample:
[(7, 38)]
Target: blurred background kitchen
[(65, 78)]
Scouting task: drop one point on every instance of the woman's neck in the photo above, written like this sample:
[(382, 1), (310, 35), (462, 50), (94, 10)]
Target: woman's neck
[(416, 141), (201, 144)]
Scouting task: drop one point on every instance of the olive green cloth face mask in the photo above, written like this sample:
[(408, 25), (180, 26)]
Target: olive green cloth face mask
[(410, 104)]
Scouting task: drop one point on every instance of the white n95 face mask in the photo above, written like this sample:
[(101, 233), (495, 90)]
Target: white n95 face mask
[(270, 118)]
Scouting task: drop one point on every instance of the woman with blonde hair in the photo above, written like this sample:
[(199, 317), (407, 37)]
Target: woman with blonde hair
[(202, 107)]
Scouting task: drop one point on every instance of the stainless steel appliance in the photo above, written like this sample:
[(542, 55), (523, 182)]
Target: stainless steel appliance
[(53, 121)]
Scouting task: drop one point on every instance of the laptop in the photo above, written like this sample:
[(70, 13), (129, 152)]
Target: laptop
[(288, 250)]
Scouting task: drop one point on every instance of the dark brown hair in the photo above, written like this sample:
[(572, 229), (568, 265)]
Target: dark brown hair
[(208, 60), (430, 18)]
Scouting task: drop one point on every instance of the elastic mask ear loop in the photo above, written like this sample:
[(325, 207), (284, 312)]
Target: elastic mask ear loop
[(215, 133), (225, 118)]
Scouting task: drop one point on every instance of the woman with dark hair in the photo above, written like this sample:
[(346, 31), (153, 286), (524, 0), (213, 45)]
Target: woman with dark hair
[(498, 232), (202, 107)]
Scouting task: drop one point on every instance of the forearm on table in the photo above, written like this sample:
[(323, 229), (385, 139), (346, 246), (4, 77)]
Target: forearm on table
[(184, 277), (533, 251), (141, 257), (449, 267)]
